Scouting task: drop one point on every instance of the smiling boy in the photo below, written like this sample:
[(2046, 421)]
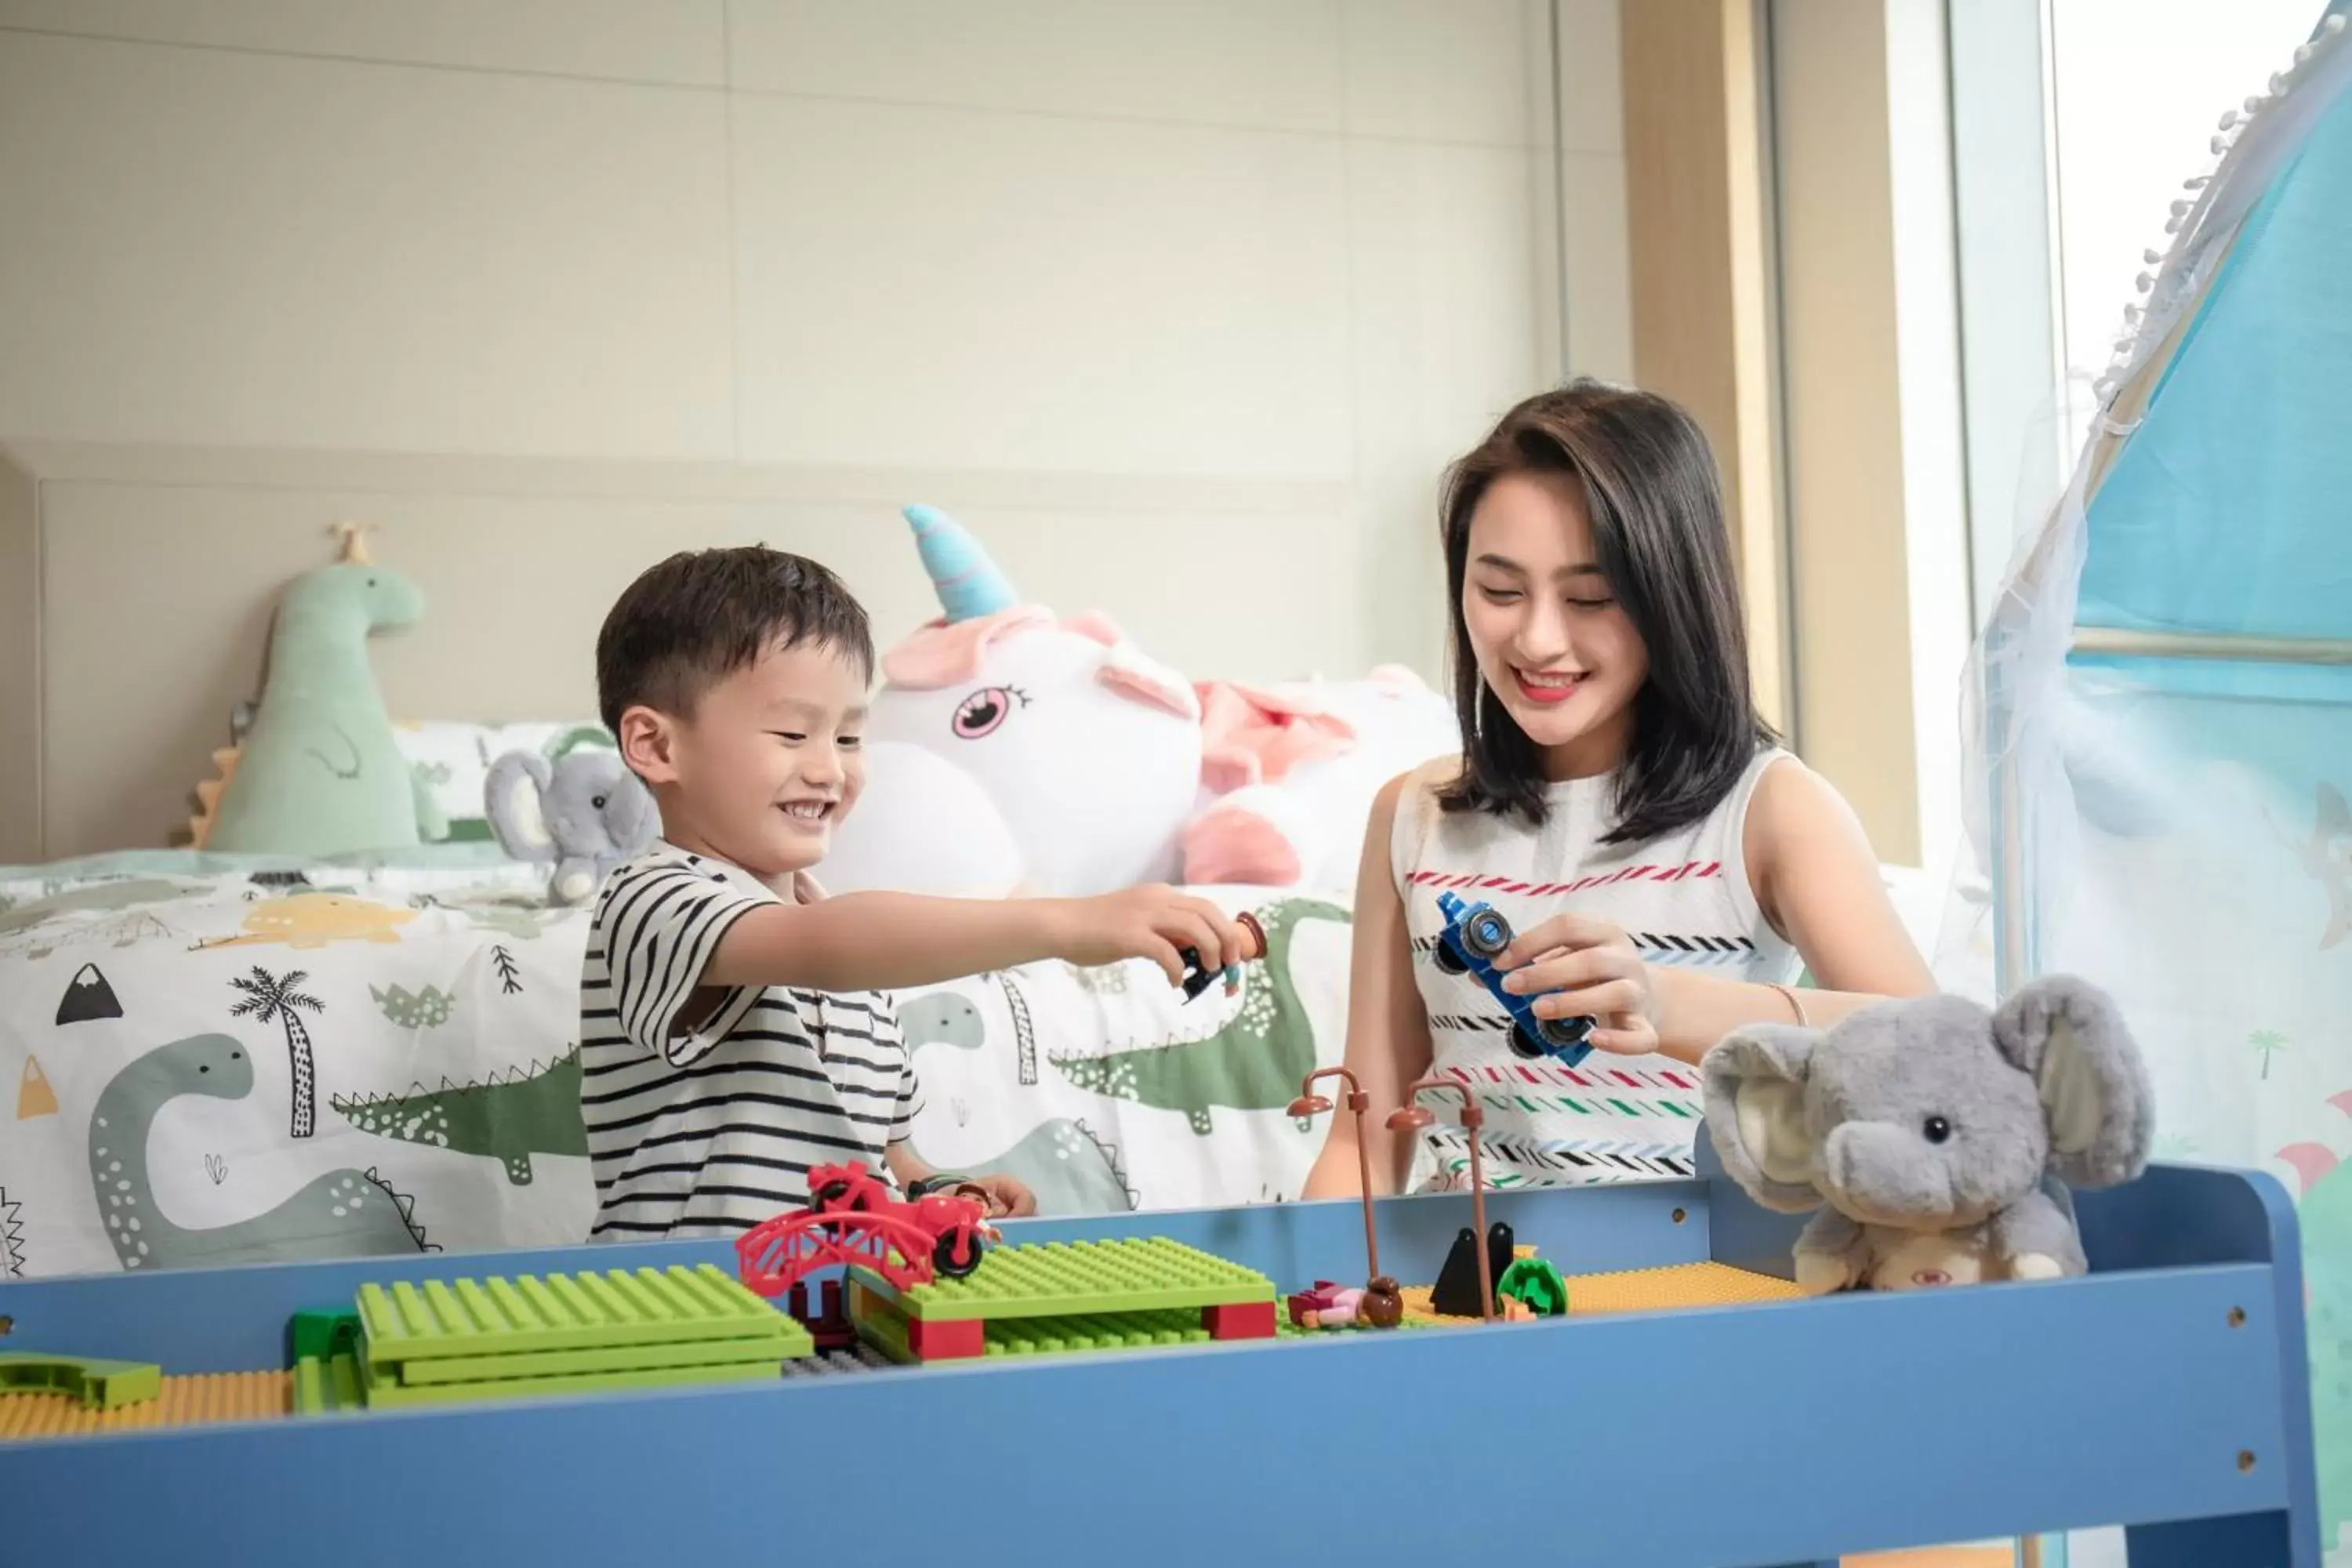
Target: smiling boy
[(735, 1026)]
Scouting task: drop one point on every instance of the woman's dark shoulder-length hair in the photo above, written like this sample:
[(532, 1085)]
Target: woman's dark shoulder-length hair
[(1657, 507)]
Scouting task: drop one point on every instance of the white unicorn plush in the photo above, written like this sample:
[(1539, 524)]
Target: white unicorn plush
[(1012, 751)]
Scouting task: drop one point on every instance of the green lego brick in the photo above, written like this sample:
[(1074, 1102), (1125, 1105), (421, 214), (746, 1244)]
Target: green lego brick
[(883, 1325), (1075, 1278), (316, 1334), (588, 1310), (789, 1344), (99, 1384), (1098, 1331), (381, 1391), (327, 1382)]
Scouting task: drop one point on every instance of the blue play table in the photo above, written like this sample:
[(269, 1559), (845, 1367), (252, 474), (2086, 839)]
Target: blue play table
[(2166, 1391)]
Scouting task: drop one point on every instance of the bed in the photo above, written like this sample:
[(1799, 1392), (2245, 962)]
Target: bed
[(409, 1023), (410, 1027)]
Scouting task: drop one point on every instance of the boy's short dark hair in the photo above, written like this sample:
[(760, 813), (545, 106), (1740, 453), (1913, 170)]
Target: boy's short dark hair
[(700, 616)]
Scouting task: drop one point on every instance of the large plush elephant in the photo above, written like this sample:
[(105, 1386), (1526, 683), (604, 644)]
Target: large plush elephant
[(1013, 750)]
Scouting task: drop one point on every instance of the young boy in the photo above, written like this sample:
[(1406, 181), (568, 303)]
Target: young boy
[(734, 1027)]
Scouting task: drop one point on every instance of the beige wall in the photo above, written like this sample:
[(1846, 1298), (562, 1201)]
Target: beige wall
[(1186, 307), (20, 666), (520, 562)]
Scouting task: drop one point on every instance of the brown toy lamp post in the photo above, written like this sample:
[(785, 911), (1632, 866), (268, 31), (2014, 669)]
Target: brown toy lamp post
[(1311, 1103), (1411, 1117)]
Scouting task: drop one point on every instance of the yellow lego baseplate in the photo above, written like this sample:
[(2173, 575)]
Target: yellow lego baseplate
[(184, 1401), (1641, 1290)]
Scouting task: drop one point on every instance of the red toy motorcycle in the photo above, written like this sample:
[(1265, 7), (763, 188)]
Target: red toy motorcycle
[(851, 1219)]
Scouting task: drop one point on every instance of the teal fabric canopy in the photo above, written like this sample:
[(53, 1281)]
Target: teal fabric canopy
[(2166, 690)]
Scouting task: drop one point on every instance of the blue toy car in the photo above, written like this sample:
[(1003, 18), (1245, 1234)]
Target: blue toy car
[(1476, 935)]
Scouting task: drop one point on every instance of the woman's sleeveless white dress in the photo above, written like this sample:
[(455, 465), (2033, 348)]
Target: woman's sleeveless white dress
[(1682, 899)]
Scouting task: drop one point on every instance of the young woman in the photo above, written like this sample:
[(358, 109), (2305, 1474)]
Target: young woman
[(1668, 867)]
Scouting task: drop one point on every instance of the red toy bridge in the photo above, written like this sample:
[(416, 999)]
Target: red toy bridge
[(789, 1248), (853, 1219)]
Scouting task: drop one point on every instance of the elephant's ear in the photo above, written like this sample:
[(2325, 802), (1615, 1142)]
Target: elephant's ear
[(2070, 1037), (511, 798), (1135, 675), (1754, 1080)]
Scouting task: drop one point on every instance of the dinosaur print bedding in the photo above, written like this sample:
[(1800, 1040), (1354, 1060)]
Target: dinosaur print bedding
[(209, 1059)]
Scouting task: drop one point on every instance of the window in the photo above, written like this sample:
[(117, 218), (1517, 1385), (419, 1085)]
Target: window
[(2137, 88)]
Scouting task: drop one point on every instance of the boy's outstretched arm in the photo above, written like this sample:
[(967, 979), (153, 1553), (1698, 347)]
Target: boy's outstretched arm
[(872, 941), (1007, 1196)]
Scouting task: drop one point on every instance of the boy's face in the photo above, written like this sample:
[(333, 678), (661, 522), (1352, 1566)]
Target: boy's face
[(769, 762)]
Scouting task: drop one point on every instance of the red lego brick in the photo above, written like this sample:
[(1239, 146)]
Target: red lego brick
[(830, 1327), (957, 1338), (1239, 1321)]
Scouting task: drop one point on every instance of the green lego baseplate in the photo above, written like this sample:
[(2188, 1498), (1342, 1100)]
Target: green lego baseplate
[(499, 1318), (1077, 1278), (1284, 1328), (498, 1337), (98, 1384), (883, 1325)]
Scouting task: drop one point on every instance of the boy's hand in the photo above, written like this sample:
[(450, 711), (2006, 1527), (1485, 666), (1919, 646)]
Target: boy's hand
[(1154, 923), (1007, 1197)]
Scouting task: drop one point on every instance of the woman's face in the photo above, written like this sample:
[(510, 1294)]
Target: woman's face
[(1549, 636)]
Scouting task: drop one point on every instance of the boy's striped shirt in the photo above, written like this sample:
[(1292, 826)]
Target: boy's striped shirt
[(710, 1129)]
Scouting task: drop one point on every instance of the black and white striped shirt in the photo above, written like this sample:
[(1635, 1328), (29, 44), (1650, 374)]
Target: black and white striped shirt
[(710, 1129)]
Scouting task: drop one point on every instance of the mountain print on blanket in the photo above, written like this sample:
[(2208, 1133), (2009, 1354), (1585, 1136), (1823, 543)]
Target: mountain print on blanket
[(89, 998)]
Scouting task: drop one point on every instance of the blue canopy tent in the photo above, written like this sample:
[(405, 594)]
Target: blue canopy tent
[(2164, 693)]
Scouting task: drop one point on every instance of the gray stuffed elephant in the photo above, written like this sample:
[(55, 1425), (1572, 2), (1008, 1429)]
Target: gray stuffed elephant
[(1938, 1138), (585, 814)]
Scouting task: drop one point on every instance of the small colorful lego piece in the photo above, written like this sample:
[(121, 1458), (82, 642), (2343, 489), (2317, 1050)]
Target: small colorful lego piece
[(1382, 1306), (1475, 936), (98, 1384), (1535, 1286), (320, 1334), (1329, 1305), (829, 1326), (1463, 1290)]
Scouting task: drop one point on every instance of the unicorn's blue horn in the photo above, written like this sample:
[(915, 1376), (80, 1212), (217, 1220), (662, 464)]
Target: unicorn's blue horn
[(967, 580)]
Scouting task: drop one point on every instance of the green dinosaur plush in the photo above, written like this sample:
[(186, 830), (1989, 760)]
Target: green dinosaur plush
[(321, 772)]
